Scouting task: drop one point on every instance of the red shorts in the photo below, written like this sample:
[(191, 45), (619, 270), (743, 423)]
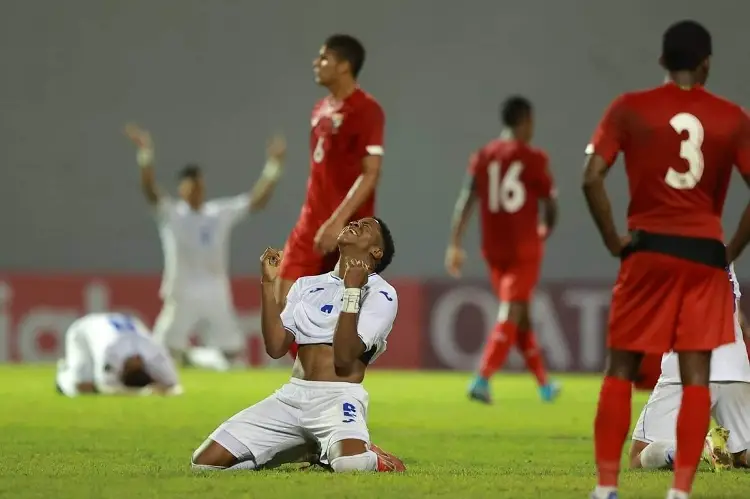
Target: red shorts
[(515, 280), (301, 259), (662, 303)]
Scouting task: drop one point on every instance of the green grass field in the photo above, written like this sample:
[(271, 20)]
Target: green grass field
[(54, 447)]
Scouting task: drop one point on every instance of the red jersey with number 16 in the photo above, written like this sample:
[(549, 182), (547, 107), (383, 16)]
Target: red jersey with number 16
[(679, 147), (510, 178)]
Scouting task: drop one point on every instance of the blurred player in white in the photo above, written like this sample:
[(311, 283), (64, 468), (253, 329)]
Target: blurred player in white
[(114, 354), (341, 321), (654, 436), (195, 237)]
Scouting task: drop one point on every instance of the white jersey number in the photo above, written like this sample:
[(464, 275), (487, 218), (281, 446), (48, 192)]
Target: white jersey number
[(506, 193), (318, 151), (690, 151)]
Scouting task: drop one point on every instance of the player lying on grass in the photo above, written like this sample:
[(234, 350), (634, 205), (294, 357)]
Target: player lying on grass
[(654, 436), (114, 354), (341, 321)]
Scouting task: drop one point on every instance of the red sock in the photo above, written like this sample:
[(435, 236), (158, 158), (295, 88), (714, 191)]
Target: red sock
[(496, 350), (529, 348), (692, 425), (611, 428), (293, 350)]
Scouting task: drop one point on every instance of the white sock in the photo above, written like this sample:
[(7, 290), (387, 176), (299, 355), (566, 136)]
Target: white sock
[(367, 461), (658, 455), (677, 494), (207, 358), (603, 492)]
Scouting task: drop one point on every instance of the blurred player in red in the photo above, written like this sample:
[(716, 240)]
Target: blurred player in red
[(346, 152), (510, 179), (680, 143)]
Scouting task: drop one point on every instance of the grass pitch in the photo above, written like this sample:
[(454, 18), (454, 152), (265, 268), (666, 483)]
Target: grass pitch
[(53, 447)]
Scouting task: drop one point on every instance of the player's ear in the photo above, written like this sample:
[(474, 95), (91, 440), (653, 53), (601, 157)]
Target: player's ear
[(376, 252)]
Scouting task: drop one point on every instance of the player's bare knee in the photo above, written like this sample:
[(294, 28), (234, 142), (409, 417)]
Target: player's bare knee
[(695, 368), (518, 314), (634, 458), (623, 364), (212, 455)]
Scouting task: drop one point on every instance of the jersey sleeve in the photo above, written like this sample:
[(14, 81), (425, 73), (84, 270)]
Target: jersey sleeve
[(742, 145), (287, 315), (608, 136), (234, 209), (371, 131), (376, 317)]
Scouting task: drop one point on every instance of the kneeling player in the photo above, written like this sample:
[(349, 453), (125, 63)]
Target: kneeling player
[(655, 433), (341, 321), (114, 354)]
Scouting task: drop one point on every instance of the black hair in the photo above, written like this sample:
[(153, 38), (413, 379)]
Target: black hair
[(685, 45), (348, 48), (514, 110), (190, 171), (136, 379), (389, 248)]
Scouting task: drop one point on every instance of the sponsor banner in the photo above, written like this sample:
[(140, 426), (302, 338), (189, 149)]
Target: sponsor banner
[(36, 310)]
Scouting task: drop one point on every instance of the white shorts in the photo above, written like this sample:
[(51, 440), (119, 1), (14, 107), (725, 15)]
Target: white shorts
[(730, 407), (214, 316), (78, 365), (297, 415)]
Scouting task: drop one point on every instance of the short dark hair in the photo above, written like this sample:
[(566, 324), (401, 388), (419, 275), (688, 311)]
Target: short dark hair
[(514, 110), (685, 45), (136, 379), (190, 171), (348, 48), (389, 248)]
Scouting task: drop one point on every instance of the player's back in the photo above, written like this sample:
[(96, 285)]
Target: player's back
[(510, 178), (109, 334), (679, 147)]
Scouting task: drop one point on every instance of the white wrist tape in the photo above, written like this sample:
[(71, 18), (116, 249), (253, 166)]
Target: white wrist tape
[(351, 300), (272, 170), (145, 157)]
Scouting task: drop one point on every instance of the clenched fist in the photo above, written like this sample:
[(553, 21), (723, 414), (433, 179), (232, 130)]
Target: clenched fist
[(355, 273), (270, 261)]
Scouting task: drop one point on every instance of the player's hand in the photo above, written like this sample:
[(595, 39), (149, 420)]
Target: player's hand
[(327, 237), (616, 249), (276, 149), (270, 261), (543, 232), (355, 273), (140, 137), (454, 260)]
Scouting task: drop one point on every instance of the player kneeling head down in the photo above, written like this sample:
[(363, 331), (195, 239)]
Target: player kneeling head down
[(341, 321)]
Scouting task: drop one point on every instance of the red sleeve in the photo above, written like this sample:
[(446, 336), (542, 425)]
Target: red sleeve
[(372, 130), (607, 139), (742, 145), (545, 184)]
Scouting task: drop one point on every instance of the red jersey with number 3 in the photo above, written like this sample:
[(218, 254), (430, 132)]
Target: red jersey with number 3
[(679, 147), (343, 133), (510, 178)]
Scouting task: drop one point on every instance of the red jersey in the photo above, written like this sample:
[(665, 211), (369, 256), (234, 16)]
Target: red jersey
[(679, 147), (509, 179), (342, 135)]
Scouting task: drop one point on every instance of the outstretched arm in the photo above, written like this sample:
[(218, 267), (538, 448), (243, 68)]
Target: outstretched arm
[(263, 189), (145, 158)]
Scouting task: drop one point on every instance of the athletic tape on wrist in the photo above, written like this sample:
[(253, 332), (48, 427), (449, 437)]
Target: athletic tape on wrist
[(145, 157), (351, 300), (272, 170)]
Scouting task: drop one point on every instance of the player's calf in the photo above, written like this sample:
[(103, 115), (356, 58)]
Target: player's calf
[(212, 456)]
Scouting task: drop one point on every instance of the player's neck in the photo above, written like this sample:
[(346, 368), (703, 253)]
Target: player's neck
[(341, 90), (683, 79), (340, 267), (510, 134)]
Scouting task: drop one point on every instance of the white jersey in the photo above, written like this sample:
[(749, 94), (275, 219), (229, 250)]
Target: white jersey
[(97, 345), (314, 303), (728, 362), (196, 244)]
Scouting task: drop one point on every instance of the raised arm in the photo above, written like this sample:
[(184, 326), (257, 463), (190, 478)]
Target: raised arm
[(145, 159), (262, 190), (276, 336)]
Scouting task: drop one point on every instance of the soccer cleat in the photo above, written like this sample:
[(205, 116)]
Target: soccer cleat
[(387, 462), (479, 390), (550, 391), (715, 451), (611, 495)]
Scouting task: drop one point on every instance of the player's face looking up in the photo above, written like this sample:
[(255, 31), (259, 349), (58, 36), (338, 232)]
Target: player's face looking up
[(362, 237), (327, 67), (191, 190)]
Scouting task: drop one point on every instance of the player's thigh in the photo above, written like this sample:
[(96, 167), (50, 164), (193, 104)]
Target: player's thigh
[(223, 330), (177, 319), (658, 418), (337, 416), (706, 319), (519, 280), (732, 411), (645, 306), (261, 432)]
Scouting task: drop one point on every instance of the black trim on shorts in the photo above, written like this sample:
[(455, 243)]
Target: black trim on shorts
[(703, 250)]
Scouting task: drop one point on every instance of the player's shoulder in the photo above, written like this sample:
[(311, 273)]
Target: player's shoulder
[(376, 285), (725, 106), (366, 102), (308, 282)]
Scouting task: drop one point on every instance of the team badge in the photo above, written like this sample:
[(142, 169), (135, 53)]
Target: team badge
[(337, 119)]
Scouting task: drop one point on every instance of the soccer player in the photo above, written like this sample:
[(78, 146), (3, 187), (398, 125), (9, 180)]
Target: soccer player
[(510, 178), (653, 443), (114, 354), (341, 320), (346, 151), (195, 236), (679, 143)]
